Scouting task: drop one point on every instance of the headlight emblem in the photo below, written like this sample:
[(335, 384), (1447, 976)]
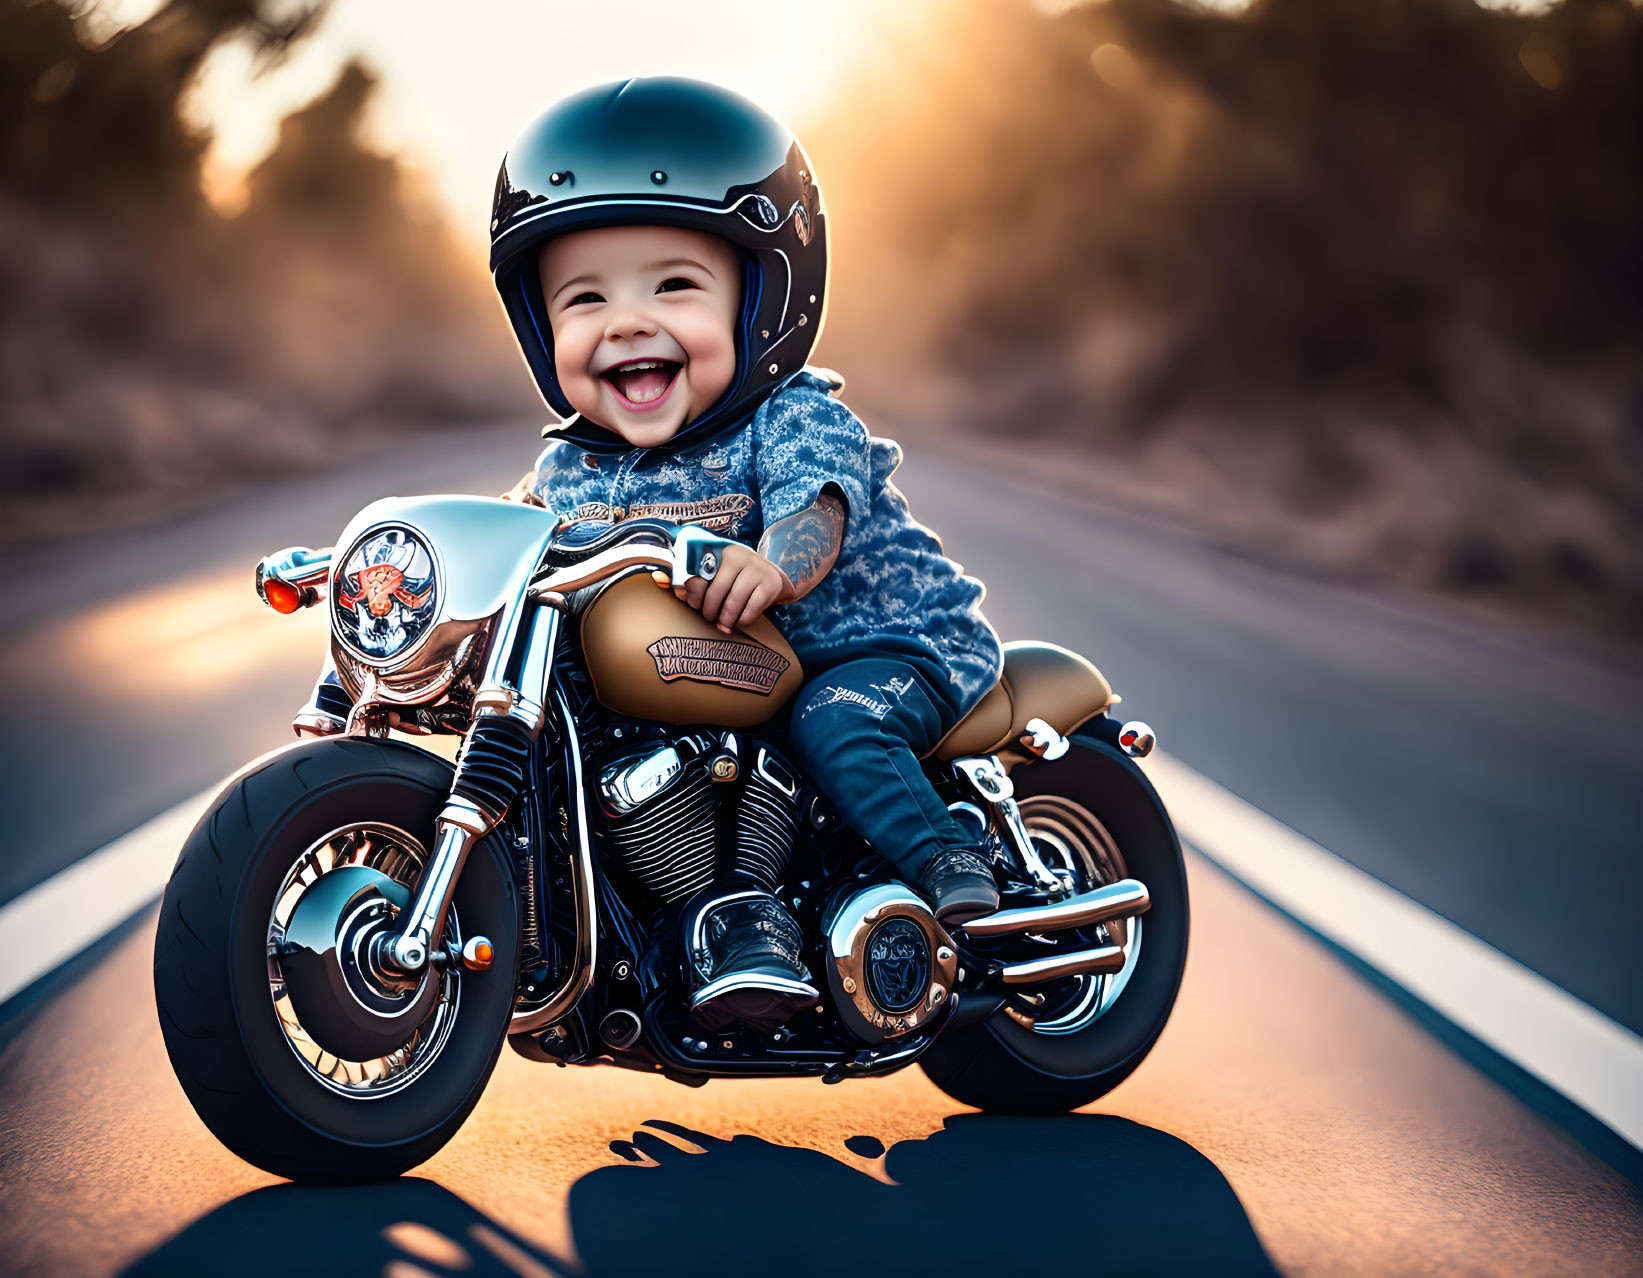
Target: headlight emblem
[(387, 593)]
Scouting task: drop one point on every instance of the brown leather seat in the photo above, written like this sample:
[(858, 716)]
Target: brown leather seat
[(1040, 681)]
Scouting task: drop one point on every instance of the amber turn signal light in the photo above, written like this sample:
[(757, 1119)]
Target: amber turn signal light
[(478, 954), (281, 596)]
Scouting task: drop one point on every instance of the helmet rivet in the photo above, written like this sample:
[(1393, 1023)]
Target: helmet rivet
[(803, 320), (558, 179), (773, 367), (657, 176), (812, 297), (764, 332)]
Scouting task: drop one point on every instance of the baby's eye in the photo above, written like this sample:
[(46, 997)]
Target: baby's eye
[(582, 299), (675, 284)]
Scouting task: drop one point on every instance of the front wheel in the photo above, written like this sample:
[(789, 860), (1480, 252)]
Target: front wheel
[(1093, 814), (291, 1050)]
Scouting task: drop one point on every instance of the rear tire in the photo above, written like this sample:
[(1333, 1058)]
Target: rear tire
[(1004, 1067), (211, 968)]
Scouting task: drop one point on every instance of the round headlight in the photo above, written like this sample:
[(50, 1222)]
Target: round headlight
[(386, 596)]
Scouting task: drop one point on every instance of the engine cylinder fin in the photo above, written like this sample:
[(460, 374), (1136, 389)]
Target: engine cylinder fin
[(668, 845), (767, 822)]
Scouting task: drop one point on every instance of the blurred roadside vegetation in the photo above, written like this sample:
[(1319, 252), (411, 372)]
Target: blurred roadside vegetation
[(153, 351), (1353, 285)]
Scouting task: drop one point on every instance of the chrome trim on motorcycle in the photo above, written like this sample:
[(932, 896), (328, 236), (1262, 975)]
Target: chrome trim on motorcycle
[(988, 778), (1103, 960), (853, 922), (408, 951), (607, 563), (1122, 900), (462, 820), (499, 545), (694, 552), (309, 722), (583, 902), (1043, 740), (626, 785), (369, 717), (398, 856)]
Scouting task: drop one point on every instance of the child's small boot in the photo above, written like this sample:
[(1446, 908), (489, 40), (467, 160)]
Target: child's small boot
[(958, 883), (745, 950)]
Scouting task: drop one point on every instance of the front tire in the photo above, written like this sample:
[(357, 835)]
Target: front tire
[(1002, 1066), (229, 1046)]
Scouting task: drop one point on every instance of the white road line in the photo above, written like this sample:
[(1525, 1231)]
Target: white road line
[(53, 921), (1593, 1060)]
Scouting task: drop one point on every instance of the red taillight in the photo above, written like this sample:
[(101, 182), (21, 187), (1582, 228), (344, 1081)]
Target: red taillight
[(281, 596)]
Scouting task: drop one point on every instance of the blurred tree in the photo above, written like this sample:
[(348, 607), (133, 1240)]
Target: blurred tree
[(80, 123)]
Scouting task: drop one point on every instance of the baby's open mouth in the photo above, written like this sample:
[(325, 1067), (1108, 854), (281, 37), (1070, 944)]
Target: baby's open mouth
[(643, 381)]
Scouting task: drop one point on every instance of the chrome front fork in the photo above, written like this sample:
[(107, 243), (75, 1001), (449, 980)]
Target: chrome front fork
[(464, 820)]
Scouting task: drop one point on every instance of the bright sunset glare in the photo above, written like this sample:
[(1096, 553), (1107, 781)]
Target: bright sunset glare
[(459, 80)]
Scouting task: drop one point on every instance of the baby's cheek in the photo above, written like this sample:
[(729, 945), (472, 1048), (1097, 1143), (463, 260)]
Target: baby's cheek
[(712, 362), (710, 373)]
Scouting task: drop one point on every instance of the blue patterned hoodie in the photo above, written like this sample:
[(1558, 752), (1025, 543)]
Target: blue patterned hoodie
[(892, 591)]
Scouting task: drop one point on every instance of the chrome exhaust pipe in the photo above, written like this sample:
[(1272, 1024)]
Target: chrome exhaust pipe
[(1103, 960), (1121, 900)]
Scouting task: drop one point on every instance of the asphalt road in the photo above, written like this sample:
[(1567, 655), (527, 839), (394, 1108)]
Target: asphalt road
[(1292, 1118), (1485, 775)]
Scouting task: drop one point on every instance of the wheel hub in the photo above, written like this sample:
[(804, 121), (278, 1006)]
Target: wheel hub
[(347, 1002)]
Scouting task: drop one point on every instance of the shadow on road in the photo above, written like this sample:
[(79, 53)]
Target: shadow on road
[(1081, 1194)]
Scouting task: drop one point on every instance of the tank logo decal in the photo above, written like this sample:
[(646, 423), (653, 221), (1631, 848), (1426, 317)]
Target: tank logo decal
[(720, 514), (733, 663)]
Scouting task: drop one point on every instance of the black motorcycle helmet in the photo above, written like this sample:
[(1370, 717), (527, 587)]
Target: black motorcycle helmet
[(669, 152)]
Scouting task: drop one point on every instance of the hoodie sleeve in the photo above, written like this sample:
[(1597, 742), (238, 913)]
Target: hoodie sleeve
[(804, 441)]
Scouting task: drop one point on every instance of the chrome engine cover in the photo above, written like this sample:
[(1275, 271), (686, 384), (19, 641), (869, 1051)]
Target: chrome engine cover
[(889, 963)]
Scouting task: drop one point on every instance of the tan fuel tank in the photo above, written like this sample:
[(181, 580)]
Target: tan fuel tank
[(653, 657)]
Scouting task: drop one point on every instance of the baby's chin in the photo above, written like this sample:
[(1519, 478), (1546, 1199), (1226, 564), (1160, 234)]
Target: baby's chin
[(649, 433)]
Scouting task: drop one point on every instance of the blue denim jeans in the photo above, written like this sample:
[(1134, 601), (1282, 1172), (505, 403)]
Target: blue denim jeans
[(859, 730)]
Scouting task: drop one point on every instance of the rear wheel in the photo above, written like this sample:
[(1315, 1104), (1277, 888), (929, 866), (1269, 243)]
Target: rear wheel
[(290, 1047), (1094, 818)]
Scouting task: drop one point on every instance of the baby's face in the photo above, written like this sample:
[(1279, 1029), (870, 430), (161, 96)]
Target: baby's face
[(643, 324)]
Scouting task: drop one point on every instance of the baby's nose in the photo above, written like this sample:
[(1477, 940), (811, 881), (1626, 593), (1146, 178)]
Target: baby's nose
[(630, 323)]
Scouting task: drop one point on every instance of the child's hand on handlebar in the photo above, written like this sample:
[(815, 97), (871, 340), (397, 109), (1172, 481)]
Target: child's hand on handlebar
[(745, 585)]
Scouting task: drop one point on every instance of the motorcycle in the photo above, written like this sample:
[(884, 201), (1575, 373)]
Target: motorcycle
[(357, 923)]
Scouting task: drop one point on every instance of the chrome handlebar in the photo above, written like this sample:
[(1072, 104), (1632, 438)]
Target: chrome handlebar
[(695, 552)]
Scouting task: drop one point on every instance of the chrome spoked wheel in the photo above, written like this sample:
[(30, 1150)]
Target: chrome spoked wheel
[(398, 857), (1073, 844)]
